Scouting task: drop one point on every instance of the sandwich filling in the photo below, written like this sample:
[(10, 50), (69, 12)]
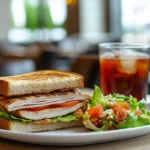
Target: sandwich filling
[(45, 108)]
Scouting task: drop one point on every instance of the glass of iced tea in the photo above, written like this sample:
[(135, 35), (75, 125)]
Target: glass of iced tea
[(124, 69)]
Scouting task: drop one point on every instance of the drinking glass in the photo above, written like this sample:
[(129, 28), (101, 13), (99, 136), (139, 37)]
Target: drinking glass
[(124, 69)]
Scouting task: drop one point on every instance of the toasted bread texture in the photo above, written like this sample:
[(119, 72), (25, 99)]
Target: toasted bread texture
[(31, 127), (40, 82)]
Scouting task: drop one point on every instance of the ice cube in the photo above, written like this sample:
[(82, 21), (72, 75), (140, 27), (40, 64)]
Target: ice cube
[(131, 54), (127, 54), (107, 55), (128, 61), (127, 66)]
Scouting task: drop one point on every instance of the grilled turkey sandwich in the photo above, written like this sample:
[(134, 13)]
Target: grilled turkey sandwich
[(41, 101)]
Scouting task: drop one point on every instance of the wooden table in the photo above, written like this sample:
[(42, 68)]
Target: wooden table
[(138, 143)]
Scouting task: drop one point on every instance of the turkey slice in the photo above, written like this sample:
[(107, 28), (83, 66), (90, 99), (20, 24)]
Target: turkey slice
[(24, 102), (48, 113)]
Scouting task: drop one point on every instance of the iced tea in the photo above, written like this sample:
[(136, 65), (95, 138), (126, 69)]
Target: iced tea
[(125, 75)]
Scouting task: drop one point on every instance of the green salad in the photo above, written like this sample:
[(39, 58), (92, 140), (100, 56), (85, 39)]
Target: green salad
[(115, 111)]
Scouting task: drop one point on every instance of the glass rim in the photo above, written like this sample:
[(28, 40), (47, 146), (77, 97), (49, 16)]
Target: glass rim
[(110, 45)]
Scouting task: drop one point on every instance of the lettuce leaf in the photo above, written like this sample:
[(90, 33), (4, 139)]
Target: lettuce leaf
[(97, 95), (129, 99), (66, 118), (11, 117), (119, 97), (134, 121), (88, 124), (142, 104), (99, 98)]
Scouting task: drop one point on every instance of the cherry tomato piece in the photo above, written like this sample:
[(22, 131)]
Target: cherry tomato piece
[(95, 111)]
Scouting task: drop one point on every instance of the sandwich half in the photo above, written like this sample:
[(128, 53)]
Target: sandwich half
[(60, 105)]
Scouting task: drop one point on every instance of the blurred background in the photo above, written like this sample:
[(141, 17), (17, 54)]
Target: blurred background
[(64, 34)]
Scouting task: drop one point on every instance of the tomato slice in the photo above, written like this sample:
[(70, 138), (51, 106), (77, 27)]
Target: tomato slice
[(37, 108), (66, 104), (95, 111)]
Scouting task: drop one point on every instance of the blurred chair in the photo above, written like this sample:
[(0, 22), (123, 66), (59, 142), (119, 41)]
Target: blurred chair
[(13, 66), (88, 66), (32, 51)]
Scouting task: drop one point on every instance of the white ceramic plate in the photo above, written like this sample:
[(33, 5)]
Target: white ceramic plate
[(74, 136)]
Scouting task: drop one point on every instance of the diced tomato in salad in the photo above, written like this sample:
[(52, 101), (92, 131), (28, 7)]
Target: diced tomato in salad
[(120, 114), (119, 111), (115, 111), (95, 111)]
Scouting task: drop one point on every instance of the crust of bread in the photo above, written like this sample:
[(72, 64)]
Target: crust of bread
[(5, 124), (31, 127), (40, 82)]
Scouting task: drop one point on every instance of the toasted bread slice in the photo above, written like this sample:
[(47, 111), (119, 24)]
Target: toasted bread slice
[(31, 127), (40, 82)]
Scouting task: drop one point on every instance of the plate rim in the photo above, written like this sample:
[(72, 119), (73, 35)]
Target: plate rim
[(74, 139), (90, 133)]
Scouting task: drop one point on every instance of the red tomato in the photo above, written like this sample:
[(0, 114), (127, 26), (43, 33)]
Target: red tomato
[(95, 111), (66, 104), (120, 113), (37, 108)]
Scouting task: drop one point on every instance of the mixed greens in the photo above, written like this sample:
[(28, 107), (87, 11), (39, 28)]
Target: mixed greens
[(115, 111)]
